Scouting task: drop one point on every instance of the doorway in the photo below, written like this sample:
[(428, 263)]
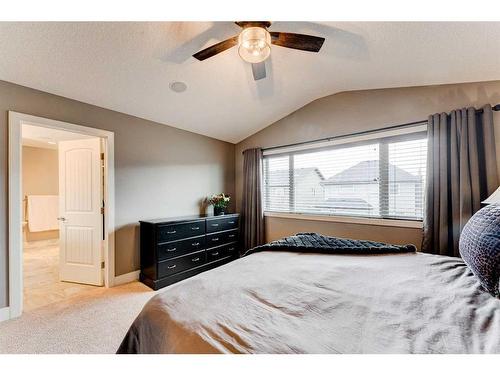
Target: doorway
[(61, 210)]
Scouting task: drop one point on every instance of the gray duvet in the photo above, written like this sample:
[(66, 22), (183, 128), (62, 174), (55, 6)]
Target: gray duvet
[(286, 302)]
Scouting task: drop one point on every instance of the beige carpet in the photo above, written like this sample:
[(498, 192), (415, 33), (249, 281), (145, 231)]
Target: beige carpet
[(94, 322)]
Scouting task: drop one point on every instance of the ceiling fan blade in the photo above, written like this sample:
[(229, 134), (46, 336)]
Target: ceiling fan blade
[(259, 70), (297, 41), (216, 48), (243, 24)]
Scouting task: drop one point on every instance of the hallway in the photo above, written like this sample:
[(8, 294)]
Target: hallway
[(41, 276)]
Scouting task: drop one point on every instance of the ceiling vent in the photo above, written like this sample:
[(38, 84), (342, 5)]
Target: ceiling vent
[(178, 86)]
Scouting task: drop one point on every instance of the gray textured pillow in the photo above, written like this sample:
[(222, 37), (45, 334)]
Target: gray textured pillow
[(480, 247)]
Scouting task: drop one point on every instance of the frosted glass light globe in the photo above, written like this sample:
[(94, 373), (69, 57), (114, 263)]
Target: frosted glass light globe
[(254, 44)]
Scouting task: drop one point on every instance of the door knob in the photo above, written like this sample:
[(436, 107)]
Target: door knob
[(61, 218)]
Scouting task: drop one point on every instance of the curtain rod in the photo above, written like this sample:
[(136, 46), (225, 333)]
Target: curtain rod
[(494, 108)]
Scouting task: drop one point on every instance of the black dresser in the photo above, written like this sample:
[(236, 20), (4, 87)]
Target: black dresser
[(177, 248)]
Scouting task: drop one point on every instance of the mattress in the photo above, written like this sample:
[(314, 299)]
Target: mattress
[(289, 302)]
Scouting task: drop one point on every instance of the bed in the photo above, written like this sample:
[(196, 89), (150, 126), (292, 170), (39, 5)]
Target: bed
[(306, 302)]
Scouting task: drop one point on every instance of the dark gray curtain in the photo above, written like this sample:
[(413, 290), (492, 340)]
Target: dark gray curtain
[(461, 172), (252, 215)]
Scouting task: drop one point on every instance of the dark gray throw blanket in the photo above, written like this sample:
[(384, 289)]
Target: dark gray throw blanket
[(317, 243)]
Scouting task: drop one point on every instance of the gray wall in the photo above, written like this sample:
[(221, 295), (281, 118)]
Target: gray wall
[(40, 177), (159, 170), (355, 111), (163, 171)]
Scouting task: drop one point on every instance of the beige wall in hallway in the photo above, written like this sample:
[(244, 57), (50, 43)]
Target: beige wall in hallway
[(357, 111), (40, 177), (160, 171)]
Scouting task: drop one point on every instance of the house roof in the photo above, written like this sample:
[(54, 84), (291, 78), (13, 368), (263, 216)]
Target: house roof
[(280, 177), (345, 203), (368, 171)]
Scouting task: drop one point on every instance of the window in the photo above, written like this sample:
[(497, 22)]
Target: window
[(380, 175)]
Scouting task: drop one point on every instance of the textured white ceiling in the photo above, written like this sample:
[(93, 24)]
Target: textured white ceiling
[(127, 67), (39, 136)]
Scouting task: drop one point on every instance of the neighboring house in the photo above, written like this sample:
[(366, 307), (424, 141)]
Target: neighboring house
[(307, 186), (357, 189), (354, 191), (347, 205)]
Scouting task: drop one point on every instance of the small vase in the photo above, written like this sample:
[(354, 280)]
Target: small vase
[(219, 211)]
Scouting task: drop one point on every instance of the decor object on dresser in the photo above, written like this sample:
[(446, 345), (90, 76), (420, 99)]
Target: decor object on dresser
[(177, 248), (252, 216), (461, 172), (480, 244), (220, 203)]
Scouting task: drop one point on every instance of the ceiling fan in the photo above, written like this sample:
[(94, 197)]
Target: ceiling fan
[(254, 44)]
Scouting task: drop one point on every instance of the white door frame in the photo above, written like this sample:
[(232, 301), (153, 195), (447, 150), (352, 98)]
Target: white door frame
[(16, 120)]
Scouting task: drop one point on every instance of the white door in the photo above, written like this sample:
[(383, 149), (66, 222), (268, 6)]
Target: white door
[(80, 218)]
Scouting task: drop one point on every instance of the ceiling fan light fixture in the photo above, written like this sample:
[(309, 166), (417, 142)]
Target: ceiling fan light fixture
[(254, 44)]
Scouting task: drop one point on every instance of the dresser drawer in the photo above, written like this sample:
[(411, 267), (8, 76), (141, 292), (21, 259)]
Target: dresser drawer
[(216, 253), (221, 252), (173, 232), (220, 238), (232, 236), (223, 223), (178, 248), (175, 265), (231, 249)]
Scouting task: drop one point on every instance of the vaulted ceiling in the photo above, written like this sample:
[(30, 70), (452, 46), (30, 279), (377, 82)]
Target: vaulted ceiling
[(128, 66)]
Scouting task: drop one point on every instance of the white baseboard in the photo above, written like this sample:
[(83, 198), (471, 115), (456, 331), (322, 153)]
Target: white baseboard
[(4, 313), (127, 278)]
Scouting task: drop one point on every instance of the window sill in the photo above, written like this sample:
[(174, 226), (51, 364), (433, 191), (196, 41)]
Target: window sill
[(348, 220)]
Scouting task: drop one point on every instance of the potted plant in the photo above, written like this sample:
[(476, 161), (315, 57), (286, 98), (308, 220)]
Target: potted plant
[(220, 203)]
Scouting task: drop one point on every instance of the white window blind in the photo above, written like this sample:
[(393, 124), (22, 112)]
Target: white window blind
[(378, 177)]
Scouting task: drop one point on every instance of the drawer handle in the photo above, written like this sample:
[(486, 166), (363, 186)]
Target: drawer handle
[(172, 266), (172, 249), (231, 248), (195, 259), (231, 222), (195, 244), (215, 239), (195, 228), (215, 254), (231, 235), (171, 232), (215, 225)]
